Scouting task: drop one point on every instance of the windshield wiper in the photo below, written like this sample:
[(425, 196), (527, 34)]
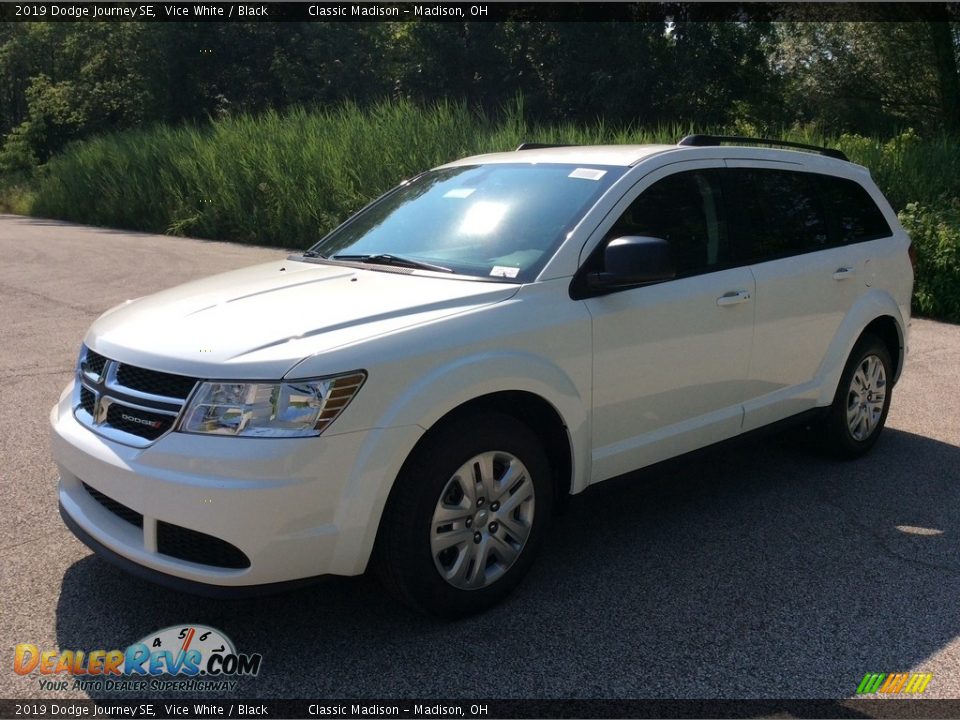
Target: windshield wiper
[(395, 260), (313, 253)]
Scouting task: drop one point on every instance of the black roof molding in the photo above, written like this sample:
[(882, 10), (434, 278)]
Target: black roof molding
[(714, 140)]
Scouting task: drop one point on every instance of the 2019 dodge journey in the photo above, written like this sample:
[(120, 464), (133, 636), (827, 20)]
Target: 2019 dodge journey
[(418, 390)]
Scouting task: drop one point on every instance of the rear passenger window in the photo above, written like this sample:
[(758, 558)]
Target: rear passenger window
[(779, 213), (853, 214), (685, 210)]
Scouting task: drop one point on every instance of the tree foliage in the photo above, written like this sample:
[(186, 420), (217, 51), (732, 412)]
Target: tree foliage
[(871, 78), (63, 81)]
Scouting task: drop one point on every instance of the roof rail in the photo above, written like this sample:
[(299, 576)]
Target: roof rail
[(538, 146), (713, 140)]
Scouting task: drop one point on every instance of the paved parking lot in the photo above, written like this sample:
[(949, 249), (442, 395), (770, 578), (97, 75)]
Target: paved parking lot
[(757, 571)]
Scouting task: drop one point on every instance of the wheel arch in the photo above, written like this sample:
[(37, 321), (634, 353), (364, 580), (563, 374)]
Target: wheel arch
[(545, 395), (534, 411), (886, 328), (877, 313)]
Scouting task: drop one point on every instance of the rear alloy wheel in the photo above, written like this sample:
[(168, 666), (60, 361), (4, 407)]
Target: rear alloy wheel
[(866, 398), (860, 407), (466, 516)]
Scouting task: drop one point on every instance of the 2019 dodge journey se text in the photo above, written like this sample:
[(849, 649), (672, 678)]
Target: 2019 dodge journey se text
[(418, 390)]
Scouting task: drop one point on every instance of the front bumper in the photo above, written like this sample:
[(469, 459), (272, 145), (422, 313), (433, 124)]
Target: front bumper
[(296, 508), (174, 582)]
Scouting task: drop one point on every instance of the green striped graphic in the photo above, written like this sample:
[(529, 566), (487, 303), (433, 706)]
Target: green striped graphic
[(871, 683)]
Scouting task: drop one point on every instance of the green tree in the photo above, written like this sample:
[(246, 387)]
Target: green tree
[(719, 74), (61, 81), (870, 77)]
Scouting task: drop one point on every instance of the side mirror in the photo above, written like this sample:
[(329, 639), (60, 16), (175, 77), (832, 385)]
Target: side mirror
[(633, 260)]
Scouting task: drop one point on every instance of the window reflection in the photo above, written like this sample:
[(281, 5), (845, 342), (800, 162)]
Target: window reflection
[(477, 219)]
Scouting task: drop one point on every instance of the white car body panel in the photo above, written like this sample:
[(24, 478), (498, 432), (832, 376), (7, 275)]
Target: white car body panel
[(647, 406), (258, 322)]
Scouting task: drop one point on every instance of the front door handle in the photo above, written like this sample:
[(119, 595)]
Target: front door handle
[(842, 273), (734, 297)]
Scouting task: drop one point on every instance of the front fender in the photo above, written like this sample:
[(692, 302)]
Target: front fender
[(449, 386)]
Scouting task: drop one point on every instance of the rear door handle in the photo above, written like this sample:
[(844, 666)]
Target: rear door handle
[(842, 273), (734, 297)]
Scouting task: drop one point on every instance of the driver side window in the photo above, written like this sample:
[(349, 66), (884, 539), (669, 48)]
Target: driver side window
[(684, 209)]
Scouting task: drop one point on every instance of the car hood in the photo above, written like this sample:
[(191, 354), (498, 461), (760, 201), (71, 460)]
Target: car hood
[(258, 322)]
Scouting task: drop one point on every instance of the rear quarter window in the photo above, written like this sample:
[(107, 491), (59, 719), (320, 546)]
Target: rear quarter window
[(852, 213), (779, 213)]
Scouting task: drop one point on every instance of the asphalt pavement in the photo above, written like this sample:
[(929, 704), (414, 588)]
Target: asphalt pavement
[(762, 570)]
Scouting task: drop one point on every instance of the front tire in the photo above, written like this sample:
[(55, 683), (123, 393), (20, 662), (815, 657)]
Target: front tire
[(466, 516), (862, 401)]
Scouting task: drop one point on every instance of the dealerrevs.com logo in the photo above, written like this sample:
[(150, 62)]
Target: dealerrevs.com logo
[(199, 657)]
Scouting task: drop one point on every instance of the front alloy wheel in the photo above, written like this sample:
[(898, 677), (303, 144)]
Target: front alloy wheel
[(482, 520), (465, 516)]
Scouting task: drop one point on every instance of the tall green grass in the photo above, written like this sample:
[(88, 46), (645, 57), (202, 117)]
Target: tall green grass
[(287, 178), (271, 179), (17, 194), (278, 179)]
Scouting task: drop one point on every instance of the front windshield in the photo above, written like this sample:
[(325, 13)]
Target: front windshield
[(491, 221)]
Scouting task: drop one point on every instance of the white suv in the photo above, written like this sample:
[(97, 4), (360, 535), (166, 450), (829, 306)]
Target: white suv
[(420, 389)]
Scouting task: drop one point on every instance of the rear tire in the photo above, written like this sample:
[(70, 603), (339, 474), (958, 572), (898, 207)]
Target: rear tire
[(466, 516), (860, 406)]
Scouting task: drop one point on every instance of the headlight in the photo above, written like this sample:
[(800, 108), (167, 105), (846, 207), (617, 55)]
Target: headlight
[(298, 408)]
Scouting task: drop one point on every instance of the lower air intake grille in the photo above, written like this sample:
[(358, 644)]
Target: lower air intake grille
[(193, 546), (118, 509)]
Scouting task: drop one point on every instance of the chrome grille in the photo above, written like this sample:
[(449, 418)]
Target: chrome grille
[(126, 403), (88, 401), (93, 364), (155, 383)]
